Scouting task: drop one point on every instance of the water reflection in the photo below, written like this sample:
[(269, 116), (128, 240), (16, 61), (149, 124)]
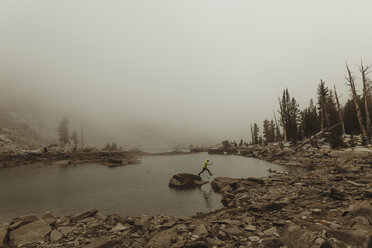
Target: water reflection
[(128, 190)]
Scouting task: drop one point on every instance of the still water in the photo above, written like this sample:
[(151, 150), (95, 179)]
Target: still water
[(128, 190)]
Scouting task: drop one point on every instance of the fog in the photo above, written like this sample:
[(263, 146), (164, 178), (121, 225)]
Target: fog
[(172, 72)]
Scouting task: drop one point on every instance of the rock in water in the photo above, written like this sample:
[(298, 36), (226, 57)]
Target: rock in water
[(185, 181)]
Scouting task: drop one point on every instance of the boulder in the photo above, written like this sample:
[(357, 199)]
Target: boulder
[(104, 242), (185, 181), (49, 218), (162, 239), (200, 230), (3, 234), (221, 182), (31, 233), (294, 236), (83, 215), (55, 236), (361, 209), (28, 218)]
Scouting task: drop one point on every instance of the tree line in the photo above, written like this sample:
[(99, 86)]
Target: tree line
[(65, 138), (327, 114)]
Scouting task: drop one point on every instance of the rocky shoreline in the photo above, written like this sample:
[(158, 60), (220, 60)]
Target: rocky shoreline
[(326, 207), (107, 158), (306, 157)]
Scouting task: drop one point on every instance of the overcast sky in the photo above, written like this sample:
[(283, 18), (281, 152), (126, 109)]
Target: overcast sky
[(201, 70)]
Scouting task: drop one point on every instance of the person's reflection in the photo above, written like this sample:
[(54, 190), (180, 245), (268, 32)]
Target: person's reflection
[(207, 196)]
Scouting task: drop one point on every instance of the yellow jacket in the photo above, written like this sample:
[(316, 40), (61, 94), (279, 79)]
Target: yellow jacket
[(206, 163)]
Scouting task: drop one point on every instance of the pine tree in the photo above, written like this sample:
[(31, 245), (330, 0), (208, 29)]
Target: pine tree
[(266, 131), (63, 131), (256, 131), (323, 94)]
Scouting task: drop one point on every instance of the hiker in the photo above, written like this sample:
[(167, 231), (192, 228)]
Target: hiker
[(206, 163)]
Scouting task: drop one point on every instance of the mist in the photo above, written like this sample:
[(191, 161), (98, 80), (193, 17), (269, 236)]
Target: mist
[(168, 73)]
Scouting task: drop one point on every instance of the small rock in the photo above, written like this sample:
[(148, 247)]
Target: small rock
[(66, 229), (101, 217), (254, 238), (104, 242), (271, 231), (55, 236), (200, 230), (250, 228), (119, 228)]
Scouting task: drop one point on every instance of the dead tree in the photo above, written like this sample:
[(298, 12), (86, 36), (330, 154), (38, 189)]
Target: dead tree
[(339, 110), (277, 130), (252, 134), (364, 71), (351, 82), (315, 136)]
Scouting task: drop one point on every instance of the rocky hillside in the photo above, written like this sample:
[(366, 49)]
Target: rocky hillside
[(19, 132)]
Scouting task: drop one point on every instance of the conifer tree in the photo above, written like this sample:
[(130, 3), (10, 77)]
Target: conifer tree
[(63, 131)]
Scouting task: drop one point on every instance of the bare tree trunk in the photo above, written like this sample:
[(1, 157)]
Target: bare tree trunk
[(339, 110), (364, 71), (277, 129), (252, 133), (351, 82), (82, 136), (316, 136)]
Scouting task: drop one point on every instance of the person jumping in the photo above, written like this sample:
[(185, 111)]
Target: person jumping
[(206, 163)]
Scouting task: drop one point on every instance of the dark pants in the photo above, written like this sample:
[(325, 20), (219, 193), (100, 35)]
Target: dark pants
[(205, 169)]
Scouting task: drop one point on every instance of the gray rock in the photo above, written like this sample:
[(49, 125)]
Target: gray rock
[(185, 181), (235, 231), (31, 233), (250, 228), (361, 209), (3, 233), (200, 230), (221, 182), (55, 236), (83, 215), (162, 239), (254, 238), (66, 229), (104, 242), (49, 218), (101, 217), (28, 218), (119, 228), (271, 242), (295, 236), (271, 231)]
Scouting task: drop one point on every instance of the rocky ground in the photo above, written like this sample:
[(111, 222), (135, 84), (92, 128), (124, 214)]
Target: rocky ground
[(326, 207), (306, 156)]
